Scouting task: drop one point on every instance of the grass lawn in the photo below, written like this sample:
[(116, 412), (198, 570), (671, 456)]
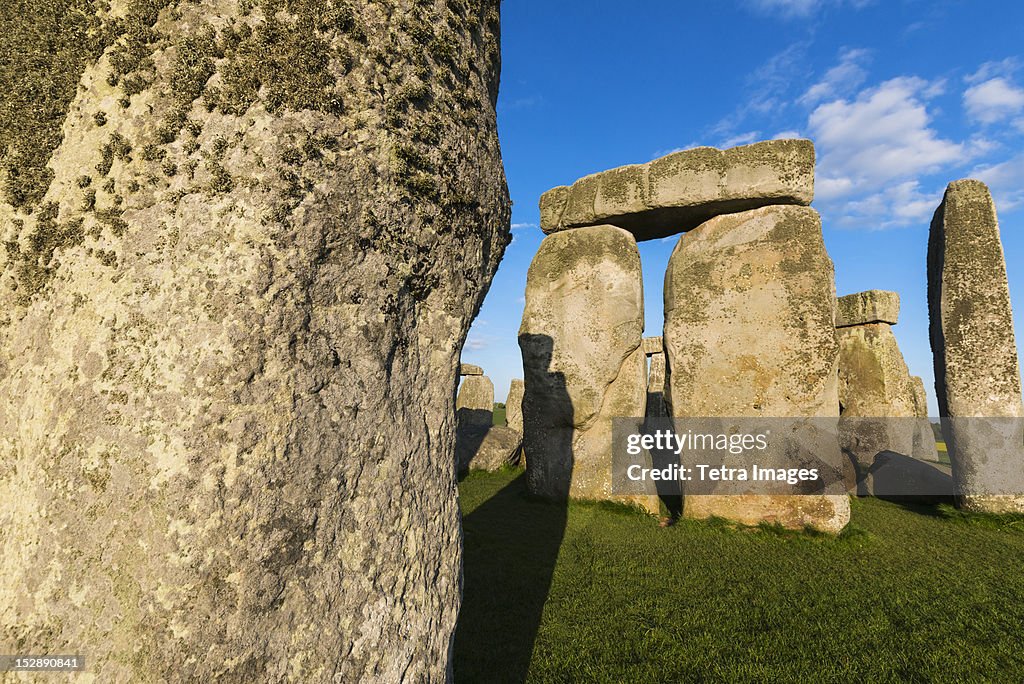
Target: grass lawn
[(598, 592)]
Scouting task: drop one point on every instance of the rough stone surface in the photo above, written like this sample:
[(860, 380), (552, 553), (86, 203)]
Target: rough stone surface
[(874, 389), (749, 331), (977, 373), (229, 335), (480, 448), (514, 405), (653, 345), (680, 191), (470, 369), (582, 359), (656, 407), (871, 306), (475, 402), (925, 448)]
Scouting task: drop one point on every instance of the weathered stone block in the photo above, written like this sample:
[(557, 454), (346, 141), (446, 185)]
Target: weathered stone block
[(925, 448), (470, 369), (487, 448), (653, 345), (874, 390), (977, 373), (749, 331), (474, 404), (582, 358), (682, 190), (514, 405), (872, 306), (656, 407)]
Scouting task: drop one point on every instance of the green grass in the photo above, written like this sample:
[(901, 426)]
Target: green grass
[(597, 592), (499, 414)]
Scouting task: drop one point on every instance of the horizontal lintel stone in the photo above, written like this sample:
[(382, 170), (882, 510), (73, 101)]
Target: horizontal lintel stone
[(679, 191), (870, 306)]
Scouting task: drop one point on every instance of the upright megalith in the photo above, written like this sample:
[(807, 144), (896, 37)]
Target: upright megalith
[(514, 405), (682, 190), (876, 395), (977, 374), (582, 358), (656, 386), (474, 404), (925, 448), (231, 309), (750, 331)]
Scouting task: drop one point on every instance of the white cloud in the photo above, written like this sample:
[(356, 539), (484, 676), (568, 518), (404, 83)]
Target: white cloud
[(884, 135), (741, 139), (897, 205), (800, 8), (786, 135), (1005, 180), (520, 226), (840, 79), (988, 70), (993, 100)]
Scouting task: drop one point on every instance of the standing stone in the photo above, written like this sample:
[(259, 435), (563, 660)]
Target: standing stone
[(977, 375), (750, 331), (876, 397), (514, 405), (582, 359), (683, 189), (656, 387), (229, 333), (653, 345), (925, 448), (475, 402), (470, 369)]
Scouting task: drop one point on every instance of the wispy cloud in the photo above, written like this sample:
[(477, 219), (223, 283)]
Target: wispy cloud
[(994, 100), (800, 8), (769, 89), (527, 102), (841, 79), (1004, 67), (741, 139), (523, 226), (1005, 180)]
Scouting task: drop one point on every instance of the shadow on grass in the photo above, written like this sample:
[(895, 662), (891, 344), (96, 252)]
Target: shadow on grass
[(511, 543)]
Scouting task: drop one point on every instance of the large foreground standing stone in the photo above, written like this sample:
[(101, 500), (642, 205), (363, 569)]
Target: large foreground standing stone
[(683, 189), (582, 359), (749, 331), (977, 374), (874, 381), (229, 331)]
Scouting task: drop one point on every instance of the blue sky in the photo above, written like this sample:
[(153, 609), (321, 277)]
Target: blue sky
[(899, 96)]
